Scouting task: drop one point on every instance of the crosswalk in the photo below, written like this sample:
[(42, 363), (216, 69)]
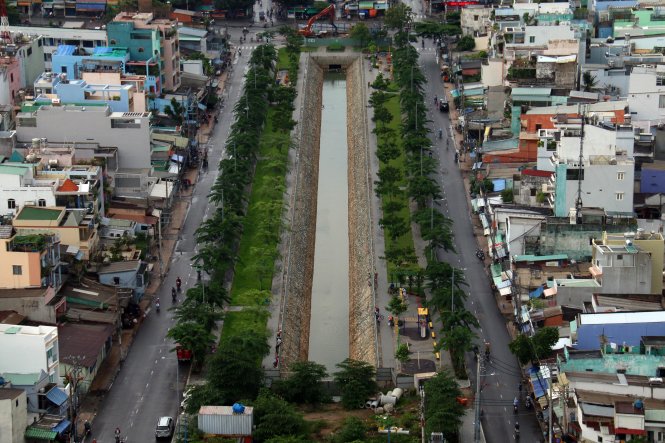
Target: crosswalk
[(426, 49)]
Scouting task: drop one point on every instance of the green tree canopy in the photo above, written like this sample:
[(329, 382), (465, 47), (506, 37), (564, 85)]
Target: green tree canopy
[(303, 385), (528, 349), (443, 413), (356, 380), (274, 417)]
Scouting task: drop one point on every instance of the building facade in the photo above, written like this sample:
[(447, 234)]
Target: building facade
[(33, 349)]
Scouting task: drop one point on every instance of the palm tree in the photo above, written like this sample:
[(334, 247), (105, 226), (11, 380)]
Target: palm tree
[(590, 81)]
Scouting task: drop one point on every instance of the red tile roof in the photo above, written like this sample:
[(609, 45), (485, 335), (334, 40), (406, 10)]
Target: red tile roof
[(68, 186), (536, 173)]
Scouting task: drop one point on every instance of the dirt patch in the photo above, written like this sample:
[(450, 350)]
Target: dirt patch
[(332, 416)]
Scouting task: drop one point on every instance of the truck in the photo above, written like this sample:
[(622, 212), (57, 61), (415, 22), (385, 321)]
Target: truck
[(183, 353)]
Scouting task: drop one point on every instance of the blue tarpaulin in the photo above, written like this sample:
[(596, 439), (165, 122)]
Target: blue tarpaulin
[(62, 426), (202, 107), (537, 292), (57, 396), (499, 184), (539, 383)]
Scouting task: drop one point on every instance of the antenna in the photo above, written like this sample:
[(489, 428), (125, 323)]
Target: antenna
[(4, 23), (578, 200)]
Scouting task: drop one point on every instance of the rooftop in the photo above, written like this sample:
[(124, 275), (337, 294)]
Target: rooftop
[(621, 318), (37, 213), (119, 266), (10, 393), (84, 341)]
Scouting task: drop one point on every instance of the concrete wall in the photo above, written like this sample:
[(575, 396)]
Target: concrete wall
[(13, 419)]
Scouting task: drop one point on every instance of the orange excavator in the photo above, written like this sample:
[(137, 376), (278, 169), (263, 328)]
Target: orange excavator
[(307, 30)]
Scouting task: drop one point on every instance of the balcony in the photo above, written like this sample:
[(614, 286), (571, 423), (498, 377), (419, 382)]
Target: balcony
[(31, 243)]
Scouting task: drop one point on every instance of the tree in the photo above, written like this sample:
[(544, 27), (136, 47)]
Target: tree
[(234, 5), (507, 195), (397, 306), (589, 81), (387, 150), (193, 336), (360, 32), (274, 417), (402, 353), (353, 429), (388, 183), (175, 111), (398, 17), (442, 410), (528, 349), (356, 380), (466, 43), (303, 385)]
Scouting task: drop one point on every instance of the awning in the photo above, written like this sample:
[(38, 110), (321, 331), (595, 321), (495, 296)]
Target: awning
[(62, 426), (536, 292), (506, 291), (454, 93), (57, 396), (40, 434), (630, 431), (202, 107)]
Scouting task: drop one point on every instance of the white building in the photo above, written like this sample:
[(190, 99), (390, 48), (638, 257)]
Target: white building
[(606, 175), (32, 349), (87, 39), (475, 20), (19, 188), (646, 94), (13, 415)]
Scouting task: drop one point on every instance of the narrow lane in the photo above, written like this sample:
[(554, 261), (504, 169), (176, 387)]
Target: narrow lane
[(146, 387), (502, 374)]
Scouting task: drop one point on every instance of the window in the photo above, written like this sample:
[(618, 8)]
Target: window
[(17, 270), (532, 39), (661, 101), (47, 57), (11, 204), (112, 42), (575, 174), (88, 43), (475, 18), (39, 42), (11, 77), (620, 175), (63, 69), (619, 256), (41, 203), (141, 49), (29, 52), (619, 196)]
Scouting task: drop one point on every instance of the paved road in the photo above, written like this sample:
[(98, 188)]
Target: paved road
[(500, 382), (146, 387)]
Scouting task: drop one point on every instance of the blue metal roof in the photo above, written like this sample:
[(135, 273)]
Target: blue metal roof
[(588, 335), (57, 396), (499, 184), (539, 383), (65, 50), (62, 426)]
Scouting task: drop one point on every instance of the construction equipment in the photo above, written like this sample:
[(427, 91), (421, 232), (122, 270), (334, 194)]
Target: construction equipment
[(307, 30)]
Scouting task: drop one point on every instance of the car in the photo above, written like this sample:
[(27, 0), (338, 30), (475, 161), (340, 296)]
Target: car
[(165, 427), (443, 105), (262, 16)]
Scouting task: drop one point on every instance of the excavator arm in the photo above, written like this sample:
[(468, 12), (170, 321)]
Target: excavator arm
[(307, 30)]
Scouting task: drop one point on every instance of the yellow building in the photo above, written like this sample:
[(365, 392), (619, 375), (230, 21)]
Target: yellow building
[(75, 228)]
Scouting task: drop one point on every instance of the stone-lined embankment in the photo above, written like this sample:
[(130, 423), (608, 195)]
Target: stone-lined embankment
[(300, 256), (362, 326)]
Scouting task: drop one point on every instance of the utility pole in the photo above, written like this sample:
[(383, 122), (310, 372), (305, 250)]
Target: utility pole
[(73, 377), (476, 424)]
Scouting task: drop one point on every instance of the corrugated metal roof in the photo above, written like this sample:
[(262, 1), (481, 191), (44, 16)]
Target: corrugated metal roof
[(532, 91), (529, 257), (40, 434), (597, 410)]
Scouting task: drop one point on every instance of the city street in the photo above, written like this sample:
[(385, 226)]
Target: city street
[(501, 376), (150, 383)]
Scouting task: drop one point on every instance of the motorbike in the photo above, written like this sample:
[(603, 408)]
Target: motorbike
[(173, 295), (178, 284), (157, 306)]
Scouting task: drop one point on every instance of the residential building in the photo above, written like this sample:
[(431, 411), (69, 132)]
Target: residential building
[(640, 22), (13, 415), (193, 39), (19, 186), (73, 61), (631, 263), (75, 228), (149, 40), (129, 132), (29, 261), (646, 94), (85, 346), (10, 81), (52, 37), (29, 51), (127, 274), (594, 331), (33, 349), (43, 397), (605, 179), (475, 20)]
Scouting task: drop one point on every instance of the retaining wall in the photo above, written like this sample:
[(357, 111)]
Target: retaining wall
[(300, 261)]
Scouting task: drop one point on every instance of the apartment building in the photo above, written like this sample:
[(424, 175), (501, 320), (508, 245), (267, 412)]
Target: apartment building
[(33, 349)]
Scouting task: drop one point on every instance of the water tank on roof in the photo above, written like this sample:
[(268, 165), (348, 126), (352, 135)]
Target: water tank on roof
[(638, 404), (238, 408)]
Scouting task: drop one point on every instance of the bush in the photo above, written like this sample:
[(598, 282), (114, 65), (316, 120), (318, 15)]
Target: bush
[(335, 47), (466, 43), (353, 429), (507, 195)]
